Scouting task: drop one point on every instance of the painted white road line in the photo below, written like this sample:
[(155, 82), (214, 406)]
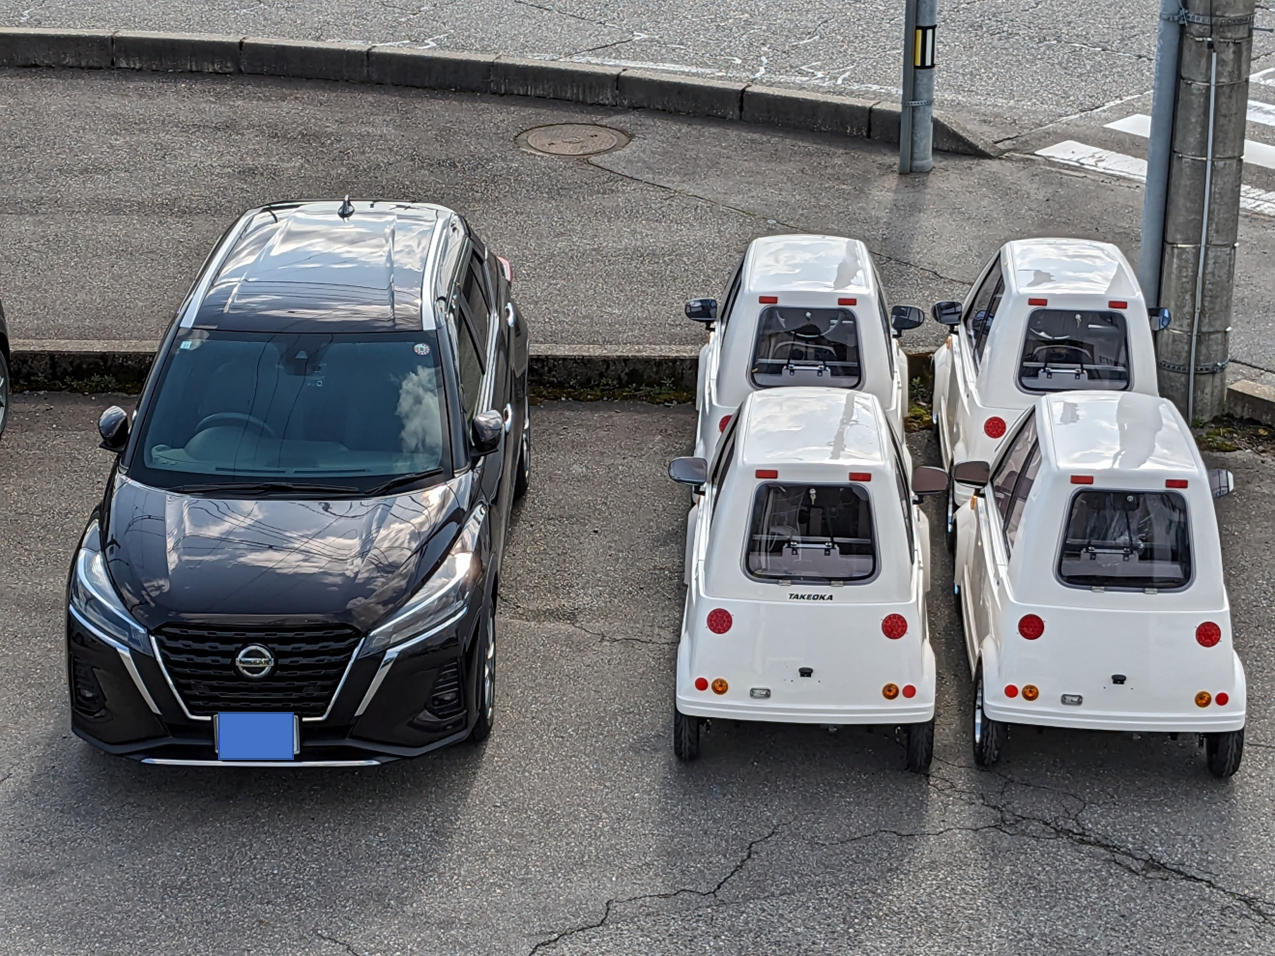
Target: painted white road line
[(1071, 153), (1255, 153), (1266, 77), (1262, 113)]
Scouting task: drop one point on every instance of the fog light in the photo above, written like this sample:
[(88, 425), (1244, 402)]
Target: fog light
[(86, 692), (1030, 692), (890, 691), (720, 686), (1203, 699)]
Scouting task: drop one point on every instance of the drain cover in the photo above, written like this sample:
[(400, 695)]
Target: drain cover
[(572, 139)]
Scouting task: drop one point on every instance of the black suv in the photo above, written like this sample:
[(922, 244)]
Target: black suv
[(297, 556)]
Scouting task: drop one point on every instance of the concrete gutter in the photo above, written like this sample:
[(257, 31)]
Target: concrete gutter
[(476, 73)]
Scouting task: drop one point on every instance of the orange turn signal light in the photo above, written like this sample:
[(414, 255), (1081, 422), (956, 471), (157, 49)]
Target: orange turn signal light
[(720, 686), (890, 691), (1030, 692), (1203, 699)]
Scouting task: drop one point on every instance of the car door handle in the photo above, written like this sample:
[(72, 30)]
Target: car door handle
[(509, 418)]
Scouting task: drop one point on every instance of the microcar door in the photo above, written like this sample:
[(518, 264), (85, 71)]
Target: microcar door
[(971, 332)]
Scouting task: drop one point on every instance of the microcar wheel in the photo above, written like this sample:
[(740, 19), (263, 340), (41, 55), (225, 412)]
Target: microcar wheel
[(485, 692), (951, 519), (685, 736), (920, 746), (1225, 750), (4, 392), (522, 476), (989, 735)]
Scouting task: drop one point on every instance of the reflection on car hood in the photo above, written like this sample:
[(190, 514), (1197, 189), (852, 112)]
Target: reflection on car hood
[(178, 557)]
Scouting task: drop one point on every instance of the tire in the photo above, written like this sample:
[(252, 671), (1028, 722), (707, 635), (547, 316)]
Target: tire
[(951, 518), (4, 392), (485, 684), (920, 746), (685, 736), (522, 474), (989, 735), (1225, 751)]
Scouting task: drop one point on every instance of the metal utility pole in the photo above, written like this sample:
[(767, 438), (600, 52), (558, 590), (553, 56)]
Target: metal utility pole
[(1159, 149), (1201, 219), (916, 115)]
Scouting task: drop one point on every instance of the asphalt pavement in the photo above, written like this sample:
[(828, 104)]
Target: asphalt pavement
[(114, 187), (1003, 66), (574, 829)]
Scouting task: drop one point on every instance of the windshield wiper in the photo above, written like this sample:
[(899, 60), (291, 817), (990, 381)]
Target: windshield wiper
[(401, 481), (252, 488)]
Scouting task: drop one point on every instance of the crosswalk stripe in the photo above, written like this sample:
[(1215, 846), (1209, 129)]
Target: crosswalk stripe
[(1262, 113), (1255, 153), (1071, 153)]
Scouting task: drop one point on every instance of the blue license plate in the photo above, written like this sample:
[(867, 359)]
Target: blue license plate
[(256, 736)]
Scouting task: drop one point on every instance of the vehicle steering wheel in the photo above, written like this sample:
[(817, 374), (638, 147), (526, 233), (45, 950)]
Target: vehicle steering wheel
[(224, 417)]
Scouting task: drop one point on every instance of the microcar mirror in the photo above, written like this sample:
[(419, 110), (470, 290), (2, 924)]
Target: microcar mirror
[(975, 473), (113, 427), (688, 471), (928, 480), (1160, 319), (702, 310), (946, 313), (904, 318), (485, 432), (1221, 482)]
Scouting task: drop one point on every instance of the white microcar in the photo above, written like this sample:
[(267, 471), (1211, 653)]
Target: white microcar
[(800, 310), (807, 571), (1045, 315), (1089, 575)]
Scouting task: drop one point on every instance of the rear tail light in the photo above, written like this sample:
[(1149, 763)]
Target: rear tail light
[(721, 426), (1222, 699), (909, 691), (894, 626), (860, 476), (1203, 699), (1030, 692), (720, 686), (1038, 302), (1208, 634), (890, 691), (994, 427), (1011, 690), (1082, 479), (768, 299), (1031, 626), (847, 302), (701, 683), (767, 473), (719, 620), (1117, 304), (1176, 483)]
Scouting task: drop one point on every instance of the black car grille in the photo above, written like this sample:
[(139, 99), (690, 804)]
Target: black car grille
[(309, 664), (447, 701)]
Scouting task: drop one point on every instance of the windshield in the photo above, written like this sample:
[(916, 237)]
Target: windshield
[(1120, 539), (811, 533), (806, 347), (1074, 350), (345, 411)]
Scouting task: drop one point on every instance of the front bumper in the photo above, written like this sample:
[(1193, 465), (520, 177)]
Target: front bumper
[(380, 712)]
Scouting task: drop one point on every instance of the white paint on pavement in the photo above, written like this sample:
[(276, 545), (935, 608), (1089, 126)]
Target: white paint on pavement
[(1255, 153)]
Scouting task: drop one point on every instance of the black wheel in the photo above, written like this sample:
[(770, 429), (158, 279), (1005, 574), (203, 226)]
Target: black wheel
[(4, 392), (920, 746), (951, 517), (485, 684), (522, 476), (1225, 751), (685, 736), (989, 735)]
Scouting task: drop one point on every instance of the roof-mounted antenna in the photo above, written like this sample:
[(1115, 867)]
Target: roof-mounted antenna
[(347, 208)]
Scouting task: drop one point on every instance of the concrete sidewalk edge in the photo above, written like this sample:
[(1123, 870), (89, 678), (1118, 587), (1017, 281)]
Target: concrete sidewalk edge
[(378, 64)]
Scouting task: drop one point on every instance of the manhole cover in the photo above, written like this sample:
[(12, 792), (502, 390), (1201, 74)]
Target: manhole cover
[(572, 139)]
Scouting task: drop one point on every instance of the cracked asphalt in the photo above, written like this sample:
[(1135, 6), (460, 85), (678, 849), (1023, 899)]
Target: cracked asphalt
[(574, 830), (114, 187), (1005, 66)]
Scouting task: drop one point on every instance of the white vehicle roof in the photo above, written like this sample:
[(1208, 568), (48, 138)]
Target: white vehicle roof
[(1125, 433), (801, 263), (1043, 267), (812, 426)]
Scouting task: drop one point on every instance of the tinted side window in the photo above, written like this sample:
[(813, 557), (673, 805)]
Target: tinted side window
[(471, 369), (473, 293), (1011, 466), (905, 497), (1022, 489), (732, 293), (725, 458), (978, 320), (884, 309)]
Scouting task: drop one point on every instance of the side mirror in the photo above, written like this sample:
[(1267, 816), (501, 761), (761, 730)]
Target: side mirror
[(485, 432), (904, 318), (947, 313), (113, 427), (976, 473), (1221, 482), (688, 471), (702, 310), (1160, 319), (928, 480)]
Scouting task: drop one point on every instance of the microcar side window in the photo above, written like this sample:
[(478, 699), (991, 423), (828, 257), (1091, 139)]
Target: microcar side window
[(1065, 349), (725, 458), (798, 346), (1011, 466), (1124, 539), (1018, 500), (803, 532), (732, 293), (978, 320), (905, 498), (885, 319)]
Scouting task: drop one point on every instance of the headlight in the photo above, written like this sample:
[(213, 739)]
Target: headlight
[(93, 597), (445, 595)]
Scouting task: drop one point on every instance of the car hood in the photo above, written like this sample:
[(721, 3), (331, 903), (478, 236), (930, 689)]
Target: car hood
[(182, 558)]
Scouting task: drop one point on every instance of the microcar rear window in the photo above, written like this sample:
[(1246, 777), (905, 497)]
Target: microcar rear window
[(1065, 349), (1122, 539), (806, 347), (802, 532)]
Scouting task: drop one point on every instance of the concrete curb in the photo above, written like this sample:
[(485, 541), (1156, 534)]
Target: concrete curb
[(671, 92)]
